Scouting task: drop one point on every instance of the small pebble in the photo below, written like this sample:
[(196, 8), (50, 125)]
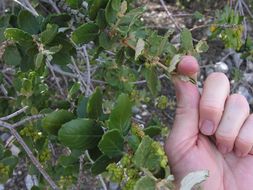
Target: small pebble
[(138, 116), (221, 67)]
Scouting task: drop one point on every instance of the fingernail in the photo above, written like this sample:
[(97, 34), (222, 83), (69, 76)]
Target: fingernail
[(223, 149), (207, 127), (238, 153)]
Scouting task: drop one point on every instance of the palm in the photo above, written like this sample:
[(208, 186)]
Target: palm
[(228, 171), (191, 145)]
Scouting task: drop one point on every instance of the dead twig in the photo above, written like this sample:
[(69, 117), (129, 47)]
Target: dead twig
[(170, 15), (29, 153), (14, 114)]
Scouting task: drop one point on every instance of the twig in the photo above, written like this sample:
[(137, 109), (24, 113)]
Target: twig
[(28, 7), (99, 176), (247, 8), (3, 89), (31, 118), (80, 175), (55, 78), (80, 77), (145, 81), (50, 2), (170, 15), (86, 57), (36, 163), (7, 97), (14, 114)]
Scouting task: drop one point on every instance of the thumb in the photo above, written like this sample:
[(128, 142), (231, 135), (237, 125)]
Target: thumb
[(185, 127)]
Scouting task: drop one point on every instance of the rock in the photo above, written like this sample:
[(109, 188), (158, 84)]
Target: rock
[(248, 77), (221, 67), (31, 181), (246, 93), (138, 117)]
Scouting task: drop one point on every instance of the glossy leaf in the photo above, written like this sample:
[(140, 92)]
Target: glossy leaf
[(28, 22), (145, 183), (82, 107), (19, 36), (53, 121), (100, 164), (12, 56), (112, 143), (94, 107), (85, 33), (80, 134), (96, 6), (49, 34), (145, 156), (120, 117)]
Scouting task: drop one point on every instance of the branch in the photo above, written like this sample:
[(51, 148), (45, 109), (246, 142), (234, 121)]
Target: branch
[(170, 15), (99, 176), (36, 163), (28, 7), (79, 75), (14, 114), (50, 2), (55, 78), (31, 118), (86, 57)]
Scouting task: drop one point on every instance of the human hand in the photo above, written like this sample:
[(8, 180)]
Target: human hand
[(212, 131)]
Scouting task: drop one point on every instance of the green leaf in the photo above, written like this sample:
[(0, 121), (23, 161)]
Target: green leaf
[(133, 142), (100, 164), (153, 81), (94, 107), (96, 6), (19, 36), (67, 160), (202, 46), (152, 130), (120, 117), (145, 183), (110, 13), (11, 161), (39, 60), (53, 121), (112, 143), (28, 22), (74, 89), (74, 3), (186, 40), (85, 33), (61, 58), (101, 20), (80, 134), (49, 34), (58, 19), (12, 56), (145, 156), (82, 107), (116, 4), (105, 41)]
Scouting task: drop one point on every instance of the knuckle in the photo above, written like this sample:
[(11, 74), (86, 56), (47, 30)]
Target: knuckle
[(227, 138), (240, 101), (240, 141), (211, 107)]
